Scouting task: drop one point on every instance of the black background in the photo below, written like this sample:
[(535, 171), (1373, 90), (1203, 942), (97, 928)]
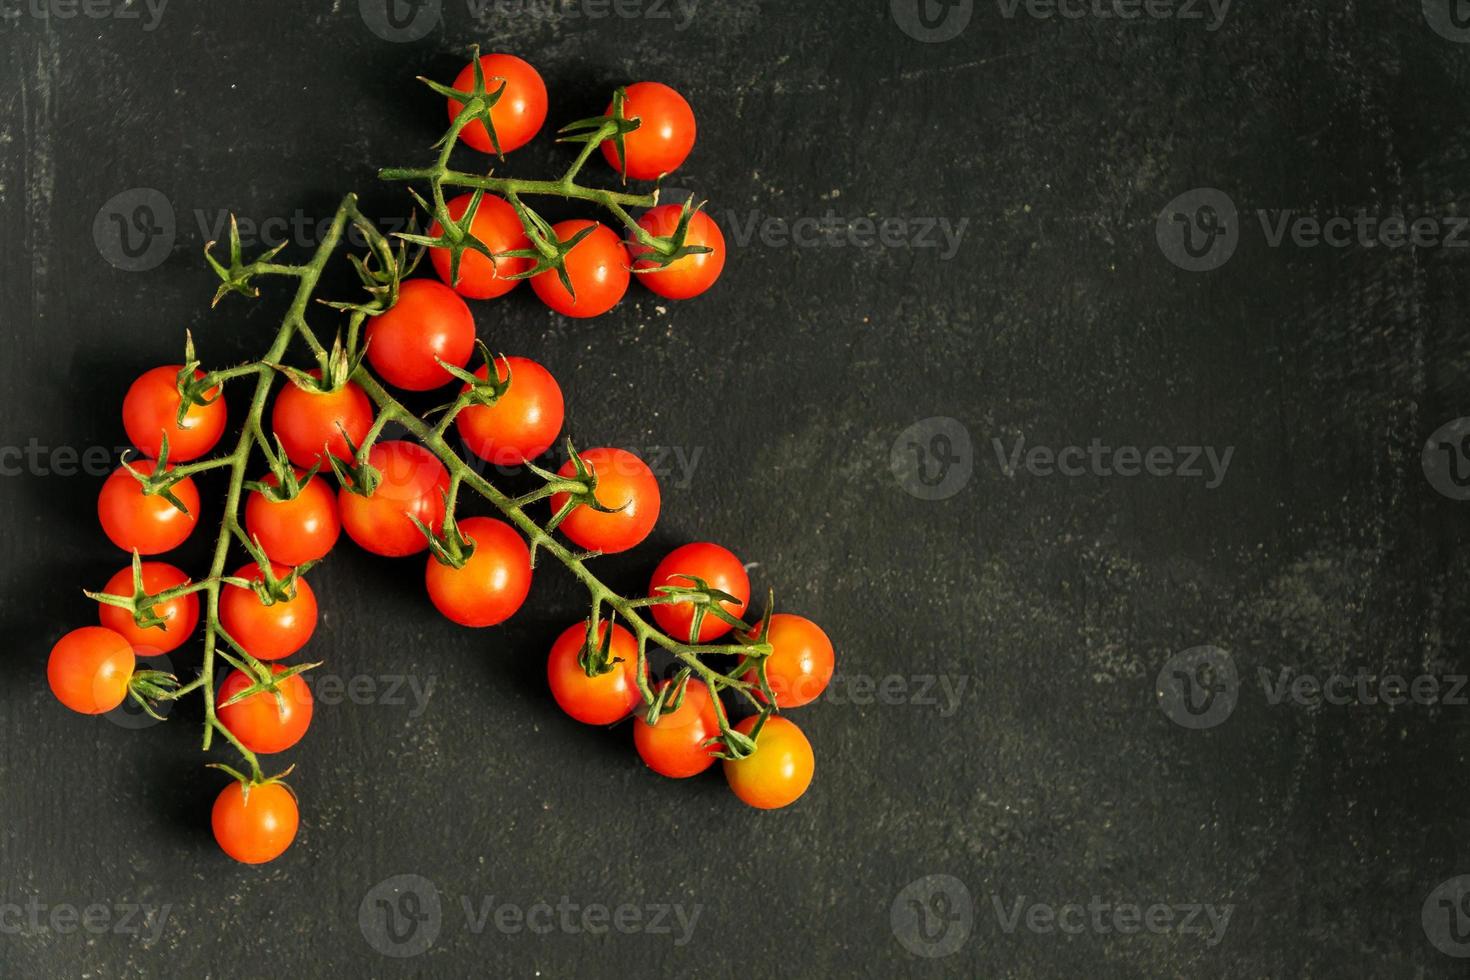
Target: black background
[(1056, 600)]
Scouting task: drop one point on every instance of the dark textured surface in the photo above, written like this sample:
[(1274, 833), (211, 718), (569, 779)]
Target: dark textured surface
[(1054, 600)]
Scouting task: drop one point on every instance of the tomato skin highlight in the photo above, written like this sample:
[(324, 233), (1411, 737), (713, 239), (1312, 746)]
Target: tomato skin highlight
[(413, 483), (429, 321), (307, 421), (598, 267), (497, 227), (180, 615), (150, 410), (268, 632), (261, 723), (674, 747), (518, 115), (779, 771), (719, 568), (89, 669), (493, 582), (258, 828), (801, 661), (523, 422), (150, 524), (663, 141), (602, 700), (296, 531), (623, 480), (691, 275)]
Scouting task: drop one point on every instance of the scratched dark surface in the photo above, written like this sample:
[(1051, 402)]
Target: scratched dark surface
[(1022, 631)]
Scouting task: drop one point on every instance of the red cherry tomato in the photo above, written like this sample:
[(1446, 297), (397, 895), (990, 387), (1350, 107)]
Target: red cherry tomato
[(268, 632), (180, 615), (597, 266), (664, 139), (308, 420), (523, 422), (89, 669), (801, 661), (260, 722), (719, 568), (258, 827), (413, 484), (602, 700), (151, 411), (675, 746), (691, 275), (496, 226), (492, 583), (779, 770), (429, 321), (148, 524), (295, 531), (623, 481), (519, 113)]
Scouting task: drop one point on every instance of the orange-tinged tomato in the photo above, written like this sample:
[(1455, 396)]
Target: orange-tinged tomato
[(523, 422), (779, 770), (257, 827), (686, 277), (801, 661), (151, 411), (295, 531), (268, 632), (674, 747), (520, 111), (624, 482), (719, 568), (146, 523), (180, 615), (89, 669), (261, 722), (606, 698), (310, 421), (492, 583)]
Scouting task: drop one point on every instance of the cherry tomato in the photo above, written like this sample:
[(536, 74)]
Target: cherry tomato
[(518, 115), (90, 668), (149, 524), (719, 568), (258, 827), (664, 139), (151, 410), (492, 583), (268, 632), (780, 769), (306, 420), (496, 226), (413, 484), (601, 700), (179, 615), (429, 321), (691, 275), (260, 722), (597, 266), (801, 661), (623, 481), (675, 746), (523, 422), (295, 531)]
